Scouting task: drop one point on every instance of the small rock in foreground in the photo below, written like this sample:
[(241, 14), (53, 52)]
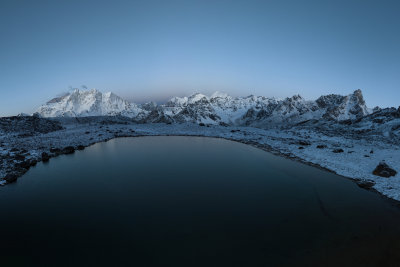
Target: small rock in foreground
[(69, 150), (11, 178), (384, 170)]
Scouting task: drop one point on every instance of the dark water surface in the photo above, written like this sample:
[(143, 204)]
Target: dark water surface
[(191, 201)]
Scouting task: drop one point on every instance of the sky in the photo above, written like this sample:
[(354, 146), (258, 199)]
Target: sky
[(154, 49)]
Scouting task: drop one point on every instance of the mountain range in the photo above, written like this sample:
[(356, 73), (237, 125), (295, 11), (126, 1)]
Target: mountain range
[(219, 108)]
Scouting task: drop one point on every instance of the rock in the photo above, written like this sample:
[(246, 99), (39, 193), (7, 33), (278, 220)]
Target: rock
[(14, 150), (300, 147), (338, 150), (55, 150), (19, 157), (25, 164), (69, 150), (371, 152), (201, 124), (45, 157), (304, 143), (80, 147), (321, 146), (11, 178), (384, 170), (366, 184)]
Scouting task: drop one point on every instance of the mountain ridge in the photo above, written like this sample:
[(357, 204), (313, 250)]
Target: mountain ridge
[(218, 108)]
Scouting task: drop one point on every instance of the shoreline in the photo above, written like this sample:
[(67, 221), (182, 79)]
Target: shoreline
[(364, 184)]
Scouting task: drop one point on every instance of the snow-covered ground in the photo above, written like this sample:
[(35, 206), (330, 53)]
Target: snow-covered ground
[(358, 159)]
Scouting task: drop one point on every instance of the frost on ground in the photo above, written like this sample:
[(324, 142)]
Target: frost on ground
[(353, 156)]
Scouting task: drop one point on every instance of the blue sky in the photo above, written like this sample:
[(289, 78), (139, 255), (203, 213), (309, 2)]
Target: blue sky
[(152, 50)]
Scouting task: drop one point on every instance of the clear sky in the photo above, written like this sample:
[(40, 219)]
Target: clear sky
[(152, 50)]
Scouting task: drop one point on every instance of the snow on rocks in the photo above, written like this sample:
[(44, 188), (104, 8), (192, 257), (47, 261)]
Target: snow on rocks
[(317, 146)]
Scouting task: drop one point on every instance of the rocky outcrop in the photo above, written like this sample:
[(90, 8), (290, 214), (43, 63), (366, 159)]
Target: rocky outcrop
[(68, 150), (384, 170)]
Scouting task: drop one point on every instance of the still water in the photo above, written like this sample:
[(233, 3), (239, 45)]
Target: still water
[(191, 201)]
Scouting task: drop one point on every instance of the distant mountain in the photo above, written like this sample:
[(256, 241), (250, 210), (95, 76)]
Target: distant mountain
[(219, 108), (83, 103)]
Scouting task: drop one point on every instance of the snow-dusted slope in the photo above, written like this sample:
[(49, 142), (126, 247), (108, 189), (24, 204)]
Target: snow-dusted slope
[(219, 108), (81, 103)]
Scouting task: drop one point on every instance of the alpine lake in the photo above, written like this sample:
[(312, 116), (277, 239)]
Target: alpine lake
[(191, 201)]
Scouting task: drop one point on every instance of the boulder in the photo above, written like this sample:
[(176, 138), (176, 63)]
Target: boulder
[(55, 150), (366, 184), (338, 150), (321, 146), (384, 170), (69, 150), (80, 147), (11, 178), (304, 143), (45, 157), (19, 157), (25, 164)]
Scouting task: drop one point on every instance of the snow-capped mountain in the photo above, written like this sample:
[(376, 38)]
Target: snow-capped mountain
[(82, 103), (219, 108)]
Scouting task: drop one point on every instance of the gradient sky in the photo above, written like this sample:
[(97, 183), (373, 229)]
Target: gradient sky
[(152, 50)]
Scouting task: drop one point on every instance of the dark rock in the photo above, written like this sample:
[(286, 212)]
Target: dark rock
[(366, 184), (338, 150), (201, 124), (87, 132), (55, 150), (300, 147), (371, 152), (11, 178), (45, 157), (80, 147), (19, 157), (69, 150), (14, 150), (321, 146), (367, 156), (378, 120), (25, 164), (304, 143), (384, 170)]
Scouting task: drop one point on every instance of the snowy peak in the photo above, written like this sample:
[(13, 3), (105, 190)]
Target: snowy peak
[(81, 103), (344, 107)]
